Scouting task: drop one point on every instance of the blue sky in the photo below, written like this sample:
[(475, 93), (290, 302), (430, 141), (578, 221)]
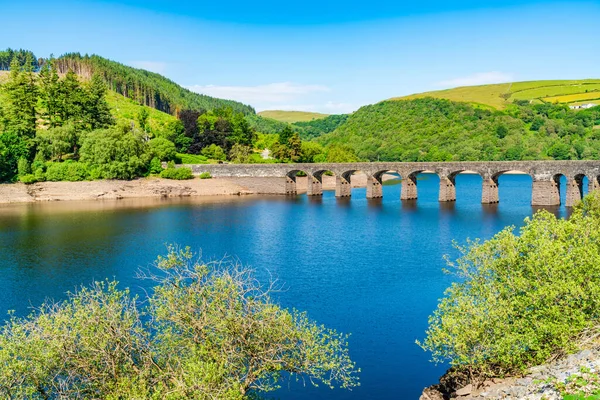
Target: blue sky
[(319, 56)]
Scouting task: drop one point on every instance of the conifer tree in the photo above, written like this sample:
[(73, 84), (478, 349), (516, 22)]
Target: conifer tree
[(50, 95), (96, 108), (20, 114)]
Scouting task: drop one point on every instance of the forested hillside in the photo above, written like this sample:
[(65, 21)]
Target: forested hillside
[(318, 127), (147, 88), (441, 130)]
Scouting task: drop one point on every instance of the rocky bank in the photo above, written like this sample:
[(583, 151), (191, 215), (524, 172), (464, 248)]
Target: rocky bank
[(540, 383)]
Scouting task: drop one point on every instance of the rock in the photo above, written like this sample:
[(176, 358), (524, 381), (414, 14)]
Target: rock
[(465, 391)]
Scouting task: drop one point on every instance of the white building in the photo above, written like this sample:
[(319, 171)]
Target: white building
[(583, 106)]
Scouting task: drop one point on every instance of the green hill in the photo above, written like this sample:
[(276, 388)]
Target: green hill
[(123, 109), (498, 96), (432, 129), (291, 116), (145, 87)]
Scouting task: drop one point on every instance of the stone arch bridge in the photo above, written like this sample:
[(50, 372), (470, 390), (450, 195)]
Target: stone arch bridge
[(545, 176)]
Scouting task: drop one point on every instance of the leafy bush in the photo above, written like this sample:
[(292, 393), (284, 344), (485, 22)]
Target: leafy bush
[(40, 175), (521, 299), (115, 153), (205, 175), (155, 166), (194, 337), (192, 159), (162, 149), (66, 171), (23, 167), (214, 152), (28, 179), (177, 173)]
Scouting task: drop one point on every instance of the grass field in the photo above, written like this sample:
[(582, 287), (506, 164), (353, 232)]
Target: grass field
[(126, 110), (574, 98), (499, 95), (291, 116)]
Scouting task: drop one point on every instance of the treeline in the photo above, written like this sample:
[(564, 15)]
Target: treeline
[(22, 56), (441, 130), (147, 88)]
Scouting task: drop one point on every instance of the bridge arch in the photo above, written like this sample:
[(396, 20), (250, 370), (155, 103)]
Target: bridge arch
[(375, 182), (493, 184), (315, 181), (291, 181)]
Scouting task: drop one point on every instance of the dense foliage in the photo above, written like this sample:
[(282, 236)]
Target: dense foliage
[(147, 88), (22, 56), (318, 127), (521, 299), (440, 130), (207, 331)]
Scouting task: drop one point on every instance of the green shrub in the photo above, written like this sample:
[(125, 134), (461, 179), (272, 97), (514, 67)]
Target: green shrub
[(104, 343), (56, 171), (116, 153), (162, 148), (66, 171), (521, 299), (214, 152), (28, 179), (155, 166), (177, 173), (205, 175), (23, 167), (192, 159), (40, 175)]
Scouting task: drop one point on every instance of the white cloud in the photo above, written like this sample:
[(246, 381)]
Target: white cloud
[(272, 92), (152, 66), (481, 78), (340, 107)]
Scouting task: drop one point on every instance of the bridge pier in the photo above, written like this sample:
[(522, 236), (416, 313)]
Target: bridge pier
[(593, 183), (374, 189), (574, 191), (545, 192), (314, 185), (290, 186), (489, 191), (408, 191), (447, 189), (342, 186)]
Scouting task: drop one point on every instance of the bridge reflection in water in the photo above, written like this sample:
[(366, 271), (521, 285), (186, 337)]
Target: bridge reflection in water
[(545, 177)]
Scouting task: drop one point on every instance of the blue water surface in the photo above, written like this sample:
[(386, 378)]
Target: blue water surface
[(372, 268)]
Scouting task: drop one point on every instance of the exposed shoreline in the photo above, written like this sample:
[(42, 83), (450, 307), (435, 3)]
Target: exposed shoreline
[(154, 188), (159, 188)]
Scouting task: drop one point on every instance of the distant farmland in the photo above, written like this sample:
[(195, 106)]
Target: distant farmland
[(499, 95)]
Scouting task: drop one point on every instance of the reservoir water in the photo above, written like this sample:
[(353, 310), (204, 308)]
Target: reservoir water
[(372, 268)]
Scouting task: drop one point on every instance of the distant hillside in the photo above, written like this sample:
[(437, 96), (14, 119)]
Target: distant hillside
[(441, 130), (498, 96), (147, 88), (318, 127), (291, 116)]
